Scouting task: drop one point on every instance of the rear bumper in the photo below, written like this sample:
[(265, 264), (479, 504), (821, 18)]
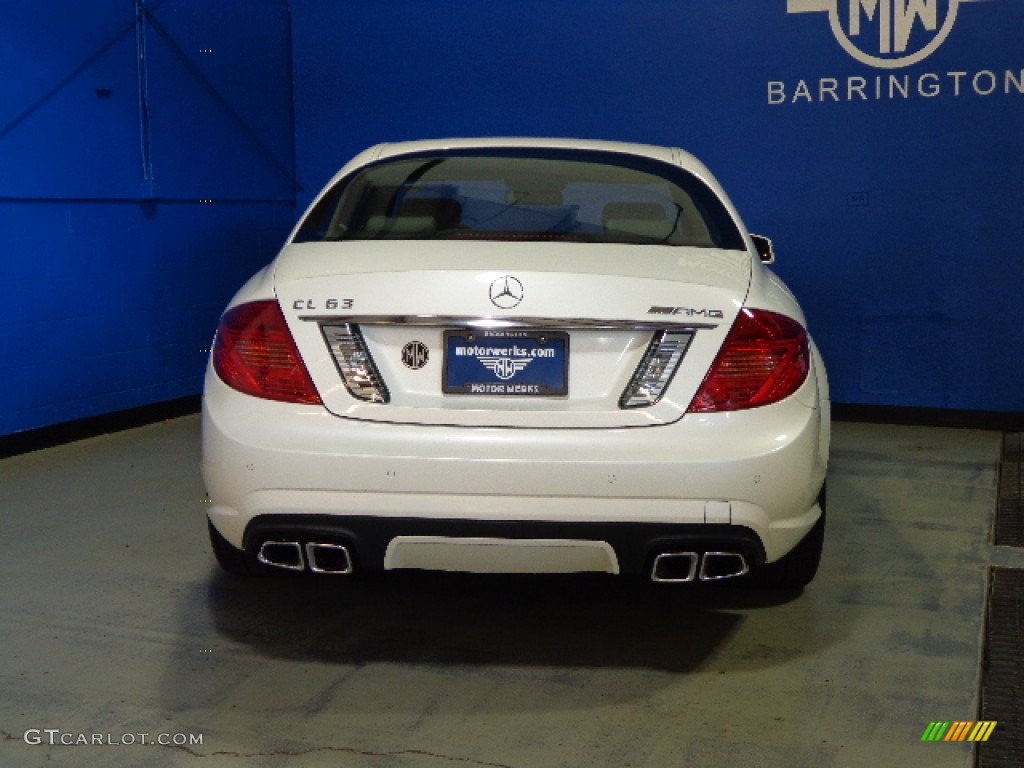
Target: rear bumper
[(619, 548), (749, 475)]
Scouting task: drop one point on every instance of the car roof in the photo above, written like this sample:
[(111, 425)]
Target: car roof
[(671, 155)]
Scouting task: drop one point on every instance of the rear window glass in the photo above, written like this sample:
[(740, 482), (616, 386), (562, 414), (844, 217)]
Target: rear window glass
[(531, 195)]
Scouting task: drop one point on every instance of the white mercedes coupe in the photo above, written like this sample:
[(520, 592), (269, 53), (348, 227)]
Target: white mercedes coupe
[(519, 356)]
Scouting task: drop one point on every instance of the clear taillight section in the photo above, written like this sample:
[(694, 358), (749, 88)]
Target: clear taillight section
[(355, 364), (254, 353), (656, 369), (765, 358)]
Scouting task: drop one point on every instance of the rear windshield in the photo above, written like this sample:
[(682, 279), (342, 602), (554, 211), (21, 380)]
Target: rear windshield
[(532, 195)]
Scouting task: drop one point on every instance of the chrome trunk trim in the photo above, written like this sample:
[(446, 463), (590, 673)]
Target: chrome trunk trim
[(487, 322)]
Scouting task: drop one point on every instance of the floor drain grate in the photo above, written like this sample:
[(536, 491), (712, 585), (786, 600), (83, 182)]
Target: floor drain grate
[(1009, 530), (1002, 682)]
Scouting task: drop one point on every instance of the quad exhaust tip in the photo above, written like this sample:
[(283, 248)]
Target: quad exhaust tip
[(282, 554), (685, 567), (328, 558), (723, 565), (317, 557), (675, 567)]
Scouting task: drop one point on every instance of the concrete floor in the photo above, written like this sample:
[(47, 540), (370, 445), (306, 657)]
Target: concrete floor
[(117, 622)]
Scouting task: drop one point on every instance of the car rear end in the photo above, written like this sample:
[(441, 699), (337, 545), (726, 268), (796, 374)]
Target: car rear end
[(528, 364)]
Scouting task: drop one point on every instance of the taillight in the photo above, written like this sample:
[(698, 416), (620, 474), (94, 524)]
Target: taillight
[(254, 353), (764, 359)]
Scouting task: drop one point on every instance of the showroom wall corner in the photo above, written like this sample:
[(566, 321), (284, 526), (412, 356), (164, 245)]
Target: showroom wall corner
[(147, 168)]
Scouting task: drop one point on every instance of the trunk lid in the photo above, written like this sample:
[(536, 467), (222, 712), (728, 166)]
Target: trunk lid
[(499, 334)]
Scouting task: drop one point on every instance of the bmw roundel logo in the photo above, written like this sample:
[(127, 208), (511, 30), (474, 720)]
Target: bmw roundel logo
[(506, 292), (415, 355)]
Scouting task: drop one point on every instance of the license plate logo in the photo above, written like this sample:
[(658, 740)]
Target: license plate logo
[(521, 363)]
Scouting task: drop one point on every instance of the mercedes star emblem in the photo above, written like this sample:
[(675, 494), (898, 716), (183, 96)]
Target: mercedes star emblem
[(506, 292)]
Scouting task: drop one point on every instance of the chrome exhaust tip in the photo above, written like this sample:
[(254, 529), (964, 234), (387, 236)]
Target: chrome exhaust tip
[(328, 558), (282, 554), (675, 567), (723, 565)]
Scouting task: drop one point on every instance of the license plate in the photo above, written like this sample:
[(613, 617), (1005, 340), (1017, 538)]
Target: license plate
[(518, 363)]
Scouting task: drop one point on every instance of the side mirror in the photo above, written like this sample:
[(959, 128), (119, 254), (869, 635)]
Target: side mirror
[(765, 249)]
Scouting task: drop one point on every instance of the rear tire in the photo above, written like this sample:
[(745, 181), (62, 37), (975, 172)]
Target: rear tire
[(228, 557), (796, 569)]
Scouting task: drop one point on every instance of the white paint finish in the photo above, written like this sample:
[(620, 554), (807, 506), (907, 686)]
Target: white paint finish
[(262, 457), (430, 454)]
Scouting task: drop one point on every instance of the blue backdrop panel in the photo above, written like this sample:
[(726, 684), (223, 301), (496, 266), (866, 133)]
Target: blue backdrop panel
[(111, 305), (219, 100), (69, 119), (885, 164), (147, 170)]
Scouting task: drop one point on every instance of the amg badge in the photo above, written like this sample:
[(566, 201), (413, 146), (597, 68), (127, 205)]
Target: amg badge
[(711, 314)]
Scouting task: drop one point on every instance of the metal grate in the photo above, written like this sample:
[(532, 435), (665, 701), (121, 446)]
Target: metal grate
[(1002, 683), (1009, 530)]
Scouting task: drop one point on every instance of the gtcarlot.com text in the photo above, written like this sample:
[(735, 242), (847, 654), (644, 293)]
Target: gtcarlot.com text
[(55, 737)]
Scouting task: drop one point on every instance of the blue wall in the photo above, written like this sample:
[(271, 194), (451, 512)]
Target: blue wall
[(894, 218), (149, 152), (146, 169)]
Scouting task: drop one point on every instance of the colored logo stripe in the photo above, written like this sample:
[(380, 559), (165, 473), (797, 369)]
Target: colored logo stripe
[(982, 731), (959, 730)]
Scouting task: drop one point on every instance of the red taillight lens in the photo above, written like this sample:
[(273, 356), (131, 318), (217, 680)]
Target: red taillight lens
[(765, 358), (255, 354)]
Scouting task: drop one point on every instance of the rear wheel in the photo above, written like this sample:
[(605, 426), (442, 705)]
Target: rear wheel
[(228, 557), (796, 569)]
